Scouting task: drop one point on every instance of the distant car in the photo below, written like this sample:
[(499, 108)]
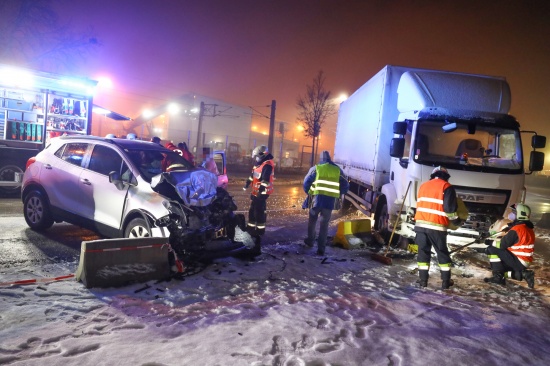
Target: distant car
[(119, 187)]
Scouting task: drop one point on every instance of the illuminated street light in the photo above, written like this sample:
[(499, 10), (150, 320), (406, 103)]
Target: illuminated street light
[(173, 108), (147, 113)]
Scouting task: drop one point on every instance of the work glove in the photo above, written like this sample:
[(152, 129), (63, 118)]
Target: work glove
[(246, 185), (244, 188), (489, 242), (457, 222), (261, 189)]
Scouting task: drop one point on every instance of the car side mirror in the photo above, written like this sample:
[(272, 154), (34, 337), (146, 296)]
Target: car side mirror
[(116, 179)]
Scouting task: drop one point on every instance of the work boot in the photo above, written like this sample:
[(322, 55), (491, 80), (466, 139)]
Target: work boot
[(421, 283), (529, 276), (445, 284), (498, 278), (308, 242)]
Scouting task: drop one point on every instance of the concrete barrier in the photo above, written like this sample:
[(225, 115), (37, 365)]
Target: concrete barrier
[(119, 262), (354, 234)]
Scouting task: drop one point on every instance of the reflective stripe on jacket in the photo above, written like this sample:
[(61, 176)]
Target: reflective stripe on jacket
[(429, 207), (525, 246), (256, 182), (327, 180)]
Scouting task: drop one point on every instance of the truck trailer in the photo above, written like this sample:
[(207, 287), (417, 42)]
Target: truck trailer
[(34, 107), (405, 121)]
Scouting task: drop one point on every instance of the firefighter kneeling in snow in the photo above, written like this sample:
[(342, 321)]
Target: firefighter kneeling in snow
[(510, 256), (262, 186), (436, 207)]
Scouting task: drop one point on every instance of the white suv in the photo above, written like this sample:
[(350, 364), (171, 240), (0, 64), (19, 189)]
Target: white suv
[(118, 188)]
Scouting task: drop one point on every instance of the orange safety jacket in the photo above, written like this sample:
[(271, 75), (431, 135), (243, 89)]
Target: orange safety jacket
[(429, 207), (256, 183), (525, 246)]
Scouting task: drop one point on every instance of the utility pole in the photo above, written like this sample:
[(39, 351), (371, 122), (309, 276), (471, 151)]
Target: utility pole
[(271, 127), (198, 153)]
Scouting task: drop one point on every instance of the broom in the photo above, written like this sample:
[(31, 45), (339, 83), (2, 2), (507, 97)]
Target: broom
[(384, 258)]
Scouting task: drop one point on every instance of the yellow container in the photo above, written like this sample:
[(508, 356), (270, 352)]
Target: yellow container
[(353, 234)]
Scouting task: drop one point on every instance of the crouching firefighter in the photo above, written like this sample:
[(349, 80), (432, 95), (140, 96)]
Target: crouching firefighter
[(261, 180), (510, 256)]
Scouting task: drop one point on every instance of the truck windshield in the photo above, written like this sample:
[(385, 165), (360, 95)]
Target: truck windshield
[(489, 148)]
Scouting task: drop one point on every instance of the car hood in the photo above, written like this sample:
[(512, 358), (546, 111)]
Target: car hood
[(194, 187)]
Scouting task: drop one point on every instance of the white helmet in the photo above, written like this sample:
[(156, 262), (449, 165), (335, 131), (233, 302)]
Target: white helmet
[(259, 152), (440, 172), (523, 212), (131, 136), (110, 136)]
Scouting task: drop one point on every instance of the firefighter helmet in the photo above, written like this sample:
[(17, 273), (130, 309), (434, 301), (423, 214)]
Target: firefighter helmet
[(259, 151), (440, 172), (523, 212)]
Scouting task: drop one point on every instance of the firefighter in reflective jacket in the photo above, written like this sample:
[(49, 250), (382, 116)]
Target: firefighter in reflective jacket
[(511, 255), (261, 180), (436, 207)]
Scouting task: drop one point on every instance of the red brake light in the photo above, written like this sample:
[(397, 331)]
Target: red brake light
[(30, 162)]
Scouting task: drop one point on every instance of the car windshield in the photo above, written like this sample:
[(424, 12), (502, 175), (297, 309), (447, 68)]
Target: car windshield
[(154, 162), (484, 147)]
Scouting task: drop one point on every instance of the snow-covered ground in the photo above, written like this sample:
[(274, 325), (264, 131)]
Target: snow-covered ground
[(288, 307)]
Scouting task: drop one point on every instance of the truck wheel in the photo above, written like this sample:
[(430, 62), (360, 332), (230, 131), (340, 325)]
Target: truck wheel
[(36, 210), (7, 172), (137, 228), (381, 216)]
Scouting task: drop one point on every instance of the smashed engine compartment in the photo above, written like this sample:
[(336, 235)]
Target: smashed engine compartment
[(202, 220)]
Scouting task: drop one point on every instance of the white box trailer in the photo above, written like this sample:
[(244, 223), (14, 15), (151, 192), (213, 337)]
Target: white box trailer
[(405, 121)]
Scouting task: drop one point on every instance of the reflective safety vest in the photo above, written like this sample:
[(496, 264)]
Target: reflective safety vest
[(525, 246), (256, 183), (327, 180), (429, 206)]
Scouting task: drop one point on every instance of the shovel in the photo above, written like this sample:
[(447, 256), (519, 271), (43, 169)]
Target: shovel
[(384, 258)]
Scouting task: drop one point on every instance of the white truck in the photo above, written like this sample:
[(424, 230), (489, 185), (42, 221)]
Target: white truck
[(404, 121), (35, 106)]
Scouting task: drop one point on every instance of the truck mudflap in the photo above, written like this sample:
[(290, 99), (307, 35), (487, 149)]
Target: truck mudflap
[(14, 183)]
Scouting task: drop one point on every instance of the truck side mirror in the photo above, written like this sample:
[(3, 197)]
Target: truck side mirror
[(538, 142), (397, 147), (400, 128), (536, 161)]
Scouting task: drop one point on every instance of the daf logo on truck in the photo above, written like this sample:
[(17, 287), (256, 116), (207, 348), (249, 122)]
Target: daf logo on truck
[(431, 118), (470, 198)]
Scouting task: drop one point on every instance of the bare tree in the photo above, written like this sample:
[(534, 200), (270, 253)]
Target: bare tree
[(313, 109), (33, 35)]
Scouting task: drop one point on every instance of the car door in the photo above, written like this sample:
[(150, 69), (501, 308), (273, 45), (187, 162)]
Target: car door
[(60, 176), (101, 201)]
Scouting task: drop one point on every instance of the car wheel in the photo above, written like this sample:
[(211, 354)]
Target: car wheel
[(137, 228), (36, 210)]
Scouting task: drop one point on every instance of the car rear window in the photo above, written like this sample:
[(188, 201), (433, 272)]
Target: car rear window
[(72, 153)]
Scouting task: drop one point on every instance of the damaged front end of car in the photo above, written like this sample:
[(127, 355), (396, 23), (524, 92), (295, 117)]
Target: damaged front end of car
[(202, 220)]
